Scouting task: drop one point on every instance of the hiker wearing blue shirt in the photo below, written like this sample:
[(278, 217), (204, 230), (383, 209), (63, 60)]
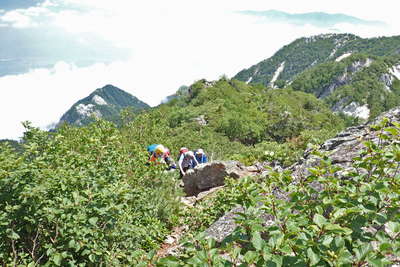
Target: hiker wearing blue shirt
[(201, 157)]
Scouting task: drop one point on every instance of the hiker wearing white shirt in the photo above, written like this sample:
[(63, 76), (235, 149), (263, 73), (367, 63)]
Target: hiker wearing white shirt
[(186, 161)]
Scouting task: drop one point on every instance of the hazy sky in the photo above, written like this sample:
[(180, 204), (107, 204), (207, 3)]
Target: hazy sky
[(56, 52)]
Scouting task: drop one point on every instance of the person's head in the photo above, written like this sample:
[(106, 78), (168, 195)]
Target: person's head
[(200, 152), (167, 153), (189, 154), (160, 150), (183, 150)]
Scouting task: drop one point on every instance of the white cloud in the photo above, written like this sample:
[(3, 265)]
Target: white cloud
[(26, 18), (17, 19), (43, 95), (172, 43)]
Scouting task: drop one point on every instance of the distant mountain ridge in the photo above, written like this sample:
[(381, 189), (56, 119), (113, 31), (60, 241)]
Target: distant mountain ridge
[(318, 19), (106, 103)]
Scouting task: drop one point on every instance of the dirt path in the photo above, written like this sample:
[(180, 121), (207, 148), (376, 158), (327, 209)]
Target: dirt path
[(171, 244)]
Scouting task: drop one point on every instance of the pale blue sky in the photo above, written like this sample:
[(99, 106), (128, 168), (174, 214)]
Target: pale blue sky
[(14, 4)]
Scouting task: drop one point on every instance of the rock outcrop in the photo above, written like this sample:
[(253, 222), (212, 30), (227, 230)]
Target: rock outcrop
[(201, 120), (339, 81), (344, 78), (344, 147), (209, 175), (224, 226), (341, 149)]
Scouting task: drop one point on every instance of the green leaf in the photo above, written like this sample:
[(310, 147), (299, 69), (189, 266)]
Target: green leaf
[(278, 260), (345, 257), (57, 258), (337, 229), (211, 242), (92, 258), (327, 240), (93, 220), (393, 227), (71, 244), (314, 258), (339, 241), (169, 261), (13, 235), (251, 257), (379, 262), (385, 247), (362, 251), (392, 131), (236, 252), (319, 220), (339, 213), (257, 241)]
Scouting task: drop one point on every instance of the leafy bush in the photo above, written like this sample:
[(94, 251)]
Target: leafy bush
[(82, 196)]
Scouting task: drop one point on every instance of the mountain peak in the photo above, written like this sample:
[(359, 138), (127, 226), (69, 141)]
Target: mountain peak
[(109, 87), (105, 102)]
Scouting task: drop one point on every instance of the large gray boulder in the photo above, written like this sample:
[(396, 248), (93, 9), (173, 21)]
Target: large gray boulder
[(212, 174)]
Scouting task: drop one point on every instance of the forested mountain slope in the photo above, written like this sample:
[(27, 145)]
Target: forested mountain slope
[(355, 76), (306, 52)]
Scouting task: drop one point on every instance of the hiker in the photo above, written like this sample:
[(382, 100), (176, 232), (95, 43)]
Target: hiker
[(160, 154), (152, 148), (181, 151), (157, 153), (168, 160), (201, 157), (186, 161)]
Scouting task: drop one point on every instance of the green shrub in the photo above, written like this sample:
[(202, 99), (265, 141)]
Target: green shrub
[(82, 196)]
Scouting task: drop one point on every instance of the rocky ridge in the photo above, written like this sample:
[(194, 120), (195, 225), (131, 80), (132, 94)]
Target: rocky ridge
[(341, 149), (291, 59)]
